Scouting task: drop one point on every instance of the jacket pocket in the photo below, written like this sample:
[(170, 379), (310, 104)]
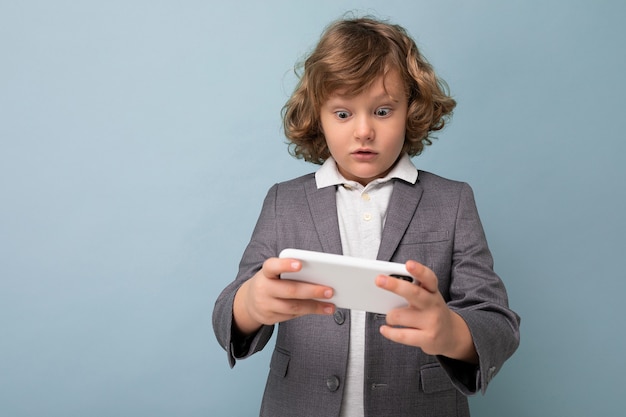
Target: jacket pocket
[(412, 238), (434, 379), (280, 362)]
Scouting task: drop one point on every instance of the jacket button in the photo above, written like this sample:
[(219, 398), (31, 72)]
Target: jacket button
[(339, 317), (332, 382)]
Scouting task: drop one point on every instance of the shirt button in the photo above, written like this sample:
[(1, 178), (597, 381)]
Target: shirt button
[(332, 382), (367, 217), (339, 317), (365, 197)]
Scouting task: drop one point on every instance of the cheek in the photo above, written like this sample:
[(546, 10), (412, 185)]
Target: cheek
[(334, 136), (400, 136), (337, 151)]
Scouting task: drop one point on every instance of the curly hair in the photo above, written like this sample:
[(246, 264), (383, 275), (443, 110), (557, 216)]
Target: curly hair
[(350, 56)]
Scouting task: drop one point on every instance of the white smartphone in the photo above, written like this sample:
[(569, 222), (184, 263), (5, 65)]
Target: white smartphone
[(352, 279)]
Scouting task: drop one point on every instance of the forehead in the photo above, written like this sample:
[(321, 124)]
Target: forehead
[(386, 85)]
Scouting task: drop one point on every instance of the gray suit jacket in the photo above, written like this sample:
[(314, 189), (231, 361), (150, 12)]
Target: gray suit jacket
[(435, 222)]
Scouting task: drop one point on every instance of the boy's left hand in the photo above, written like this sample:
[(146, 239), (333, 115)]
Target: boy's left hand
[(427, 322)]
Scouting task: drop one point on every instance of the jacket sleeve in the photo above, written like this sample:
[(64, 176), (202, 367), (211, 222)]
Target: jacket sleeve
[(261, 247), (478, 295)]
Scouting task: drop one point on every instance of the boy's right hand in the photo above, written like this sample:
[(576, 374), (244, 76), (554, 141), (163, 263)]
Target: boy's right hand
[(266, 299)]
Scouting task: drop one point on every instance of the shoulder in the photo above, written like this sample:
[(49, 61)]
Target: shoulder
[(292, 190), (429, 181), (298, 182), (443, 192)]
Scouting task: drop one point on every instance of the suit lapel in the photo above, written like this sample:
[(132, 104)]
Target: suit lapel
[(323, 206), (402, 206)]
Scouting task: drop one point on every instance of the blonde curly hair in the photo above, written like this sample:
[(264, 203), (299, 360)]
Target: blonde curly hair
[(350, 56)]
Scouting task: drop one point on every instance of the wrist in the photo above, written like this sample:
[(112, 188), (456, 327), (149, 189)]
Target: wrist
[(463, 348), (242, 320)]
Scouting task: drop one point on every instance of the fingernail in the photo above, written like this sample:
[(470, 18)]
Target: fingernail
[(295, 265), (328, 293), (382, 280), (328, 310)]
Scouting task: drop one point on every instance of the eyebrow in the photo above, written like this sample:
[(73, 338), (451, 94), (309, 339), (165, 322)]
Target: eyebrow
[(382, 96)]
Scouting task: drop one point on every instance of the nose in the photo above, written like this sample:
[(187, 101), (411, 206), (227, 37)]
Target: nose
[(363, 129)]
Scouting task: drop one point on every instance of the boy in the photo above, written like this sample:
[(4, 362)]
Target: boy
[(366, 102)]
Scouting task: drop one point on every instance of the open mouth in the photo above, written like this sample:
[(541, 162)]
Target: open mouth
[(364, 154)]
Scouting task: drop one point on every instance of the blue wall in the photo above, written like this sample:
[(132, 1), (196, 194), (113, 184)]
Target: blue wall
[(138, 138)]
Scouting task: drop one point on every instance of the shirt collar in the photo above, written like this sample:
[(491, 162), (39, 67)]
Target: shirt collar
[(328, 174)]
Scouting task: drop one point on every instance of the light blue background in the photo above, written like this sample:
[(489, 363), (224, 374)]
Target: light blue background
[(138, 139)]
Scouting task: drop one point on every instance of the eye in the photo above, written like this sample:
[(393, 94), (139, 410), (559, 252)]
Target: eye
[(342, 114), (382, 112)]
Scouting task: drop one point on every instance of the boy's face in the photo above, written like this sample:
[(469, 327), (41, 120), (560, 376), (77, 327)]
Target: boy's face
[(365, 133)]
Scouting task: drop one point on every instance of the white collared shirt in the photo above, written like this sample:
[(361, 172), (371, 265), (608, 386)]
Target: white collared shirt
[(361, 211)]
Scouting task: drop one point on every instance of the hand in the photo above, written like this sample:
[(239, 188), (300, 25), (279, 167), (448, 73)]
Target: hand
[(267, 299), (427, 322)]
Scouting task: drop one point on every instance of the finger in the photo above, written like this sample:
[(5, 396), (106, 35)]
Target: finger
[(292, 289), (296, 290), (424, 275), (405, 336), (289, 309), (407, 290), (273, 267), (406, 317)]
